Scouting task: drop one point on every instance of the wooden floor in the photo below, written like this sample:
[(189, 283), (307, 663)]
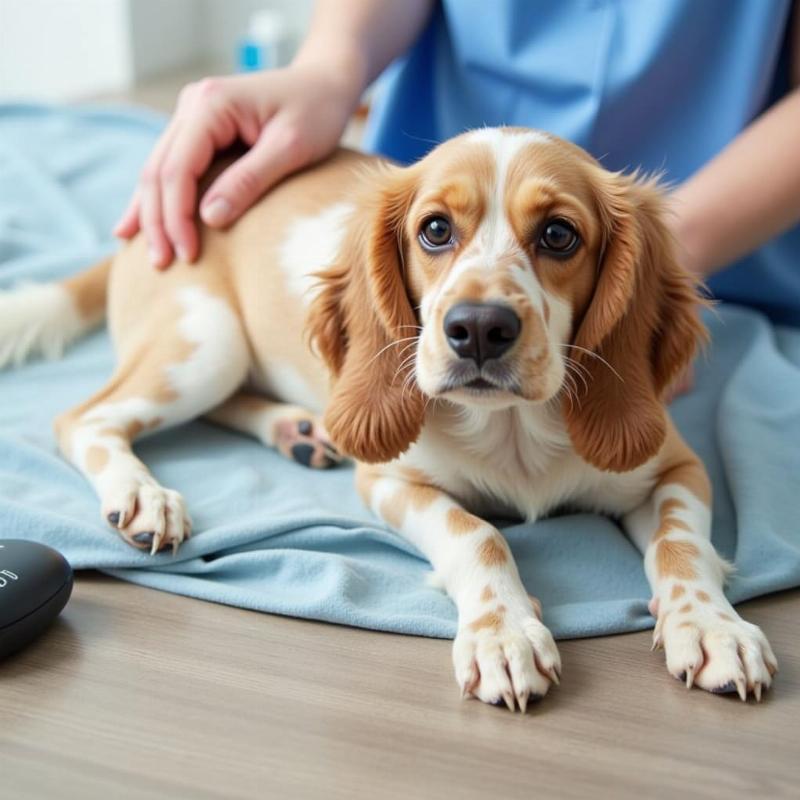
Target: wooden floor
[(137, 693)]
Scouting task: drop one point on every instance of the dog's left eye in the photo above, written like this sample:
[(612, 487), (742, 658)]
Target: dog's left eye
[(558, 238), (436, 233)]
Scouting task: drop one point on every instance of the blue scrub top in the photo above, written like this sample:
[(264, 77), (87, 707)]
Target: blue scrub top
[(660, 84)]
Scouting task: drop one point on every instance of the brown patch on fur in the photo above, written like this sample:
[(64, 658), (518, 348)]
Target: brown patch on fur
[(685, 609), (679, 465), (88, 290), (491, 620), (420, 496), (671, 504), (133, 429), (461, 197), (96, 459), (642, 320), (493, 551), (702, 596), (414, 475), (670, 525), (393, 509), (471, 290), (686, 624), (460, 522), (142, 373), (417, 496), (366, 478), (677, 591), (726, 617), (362, 308), (487, 594), (674, 559)]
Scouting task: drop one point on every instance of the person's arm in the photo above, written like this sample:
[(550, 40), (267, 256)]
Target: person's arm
[(750, 192), (289, 118), (370, 32)]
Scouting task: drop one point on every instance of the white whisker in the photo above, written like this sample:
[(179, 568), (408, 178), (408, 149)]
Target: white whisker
[(594, 355)]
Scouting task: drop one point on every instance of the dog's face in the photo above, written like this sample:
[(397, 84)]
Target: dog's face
[(503, 241), (507, 268)]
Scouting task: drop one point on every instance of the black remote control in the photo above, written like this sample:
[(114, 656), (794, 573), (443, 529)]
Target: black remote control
[(35, 584)]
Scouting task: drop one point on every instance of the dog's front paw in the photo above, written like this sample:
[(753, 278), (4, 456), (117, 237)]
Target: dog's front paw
[(707, 644), (505, 658), (146, 515)]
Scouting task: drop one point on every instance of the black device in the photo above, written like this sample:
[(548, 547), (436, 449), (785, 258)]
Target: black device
[(35, 584)]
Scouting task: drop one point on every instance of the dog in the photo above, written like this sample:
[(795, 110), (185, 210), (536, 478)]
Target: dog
[(492, 331)]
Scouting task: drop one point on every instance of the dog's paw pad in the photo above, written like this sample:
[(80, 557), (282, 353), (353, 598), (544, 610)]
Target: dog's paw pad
[(305, 442)]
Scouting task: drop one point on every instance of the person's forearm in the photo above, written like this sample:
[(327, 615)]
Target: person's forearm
[(746, 195), (362, 37)]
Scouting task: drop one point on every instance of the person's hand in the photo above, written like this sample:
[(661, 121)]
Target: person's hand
[(289, 118)]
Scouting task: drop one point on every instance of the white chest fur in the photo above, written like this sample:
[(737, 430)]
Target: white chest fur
[(518, 460)]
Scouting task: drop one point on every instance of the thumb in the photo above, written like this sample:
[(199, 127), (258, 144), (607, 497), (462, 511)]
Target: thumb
[(279, 150)]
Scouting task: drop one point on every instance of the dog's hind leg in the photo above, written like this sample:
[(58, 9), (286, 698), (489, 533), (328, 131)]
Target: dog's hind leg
[(187, 359), (294, 432)]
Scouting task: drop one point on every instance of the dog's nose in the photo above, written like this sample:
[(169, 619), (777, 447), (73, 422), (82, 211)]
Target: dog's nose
[(481, 331)]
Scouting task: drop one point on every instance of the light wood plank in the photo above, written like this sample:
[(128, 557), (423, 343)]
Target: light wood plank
[(138, 693)]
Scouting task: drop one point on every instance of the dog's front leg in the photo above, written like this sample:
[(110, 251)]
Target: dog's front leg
[(502, 652), (706, 642)]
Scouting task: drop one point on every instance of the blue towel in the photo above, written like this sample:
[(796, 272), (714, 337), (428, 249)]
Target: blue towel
[(274, 536)]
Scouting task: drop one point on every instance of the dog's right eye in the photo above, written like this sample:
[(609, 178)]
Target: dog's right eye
[(436, 233)]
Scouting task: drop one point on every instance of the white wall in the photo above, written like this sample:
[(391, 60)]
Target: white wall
[(59, 48), (164, 34), (68, 49)]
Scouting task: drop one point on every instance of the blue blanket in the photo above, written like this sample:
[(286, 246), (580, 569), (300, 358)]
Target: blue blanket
[(273, 536)]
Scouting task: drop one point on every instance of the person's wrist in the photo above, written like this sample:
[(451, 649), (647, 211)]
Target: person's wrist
[(344, 67), (688, 235)]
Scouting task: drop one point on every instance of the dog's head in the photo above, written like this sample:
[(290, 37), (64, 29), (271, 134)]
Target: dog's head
[(505, 268)]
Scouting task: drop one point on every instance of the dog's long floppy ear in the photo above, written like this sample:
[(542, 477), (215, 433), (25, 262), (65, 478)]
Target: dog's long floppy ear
[(356, 322), (639, 331)]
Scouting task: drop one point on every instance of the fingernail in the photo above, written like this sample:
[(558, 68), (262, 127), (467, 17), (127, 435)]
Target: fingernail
[(155, 256), (217, 212), (180, 251)]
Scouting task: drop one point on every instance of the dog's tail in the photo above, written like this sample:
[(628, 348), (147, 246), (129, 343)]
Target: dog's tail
[(44, 319)]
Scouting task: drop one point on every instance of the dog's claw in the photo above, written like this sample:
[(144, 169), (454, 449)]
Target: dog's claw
[(690, 677), (156, 546)]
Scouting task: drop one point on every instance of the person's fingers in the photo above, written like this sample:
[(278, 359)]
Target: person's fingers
[(128, 224), (150, 216), (159, 248), (280, 149), (188, 158)]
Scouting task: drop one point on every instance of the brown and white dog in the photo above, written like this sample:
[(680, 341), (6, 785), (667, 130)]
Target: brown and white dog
[(496, 326)]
